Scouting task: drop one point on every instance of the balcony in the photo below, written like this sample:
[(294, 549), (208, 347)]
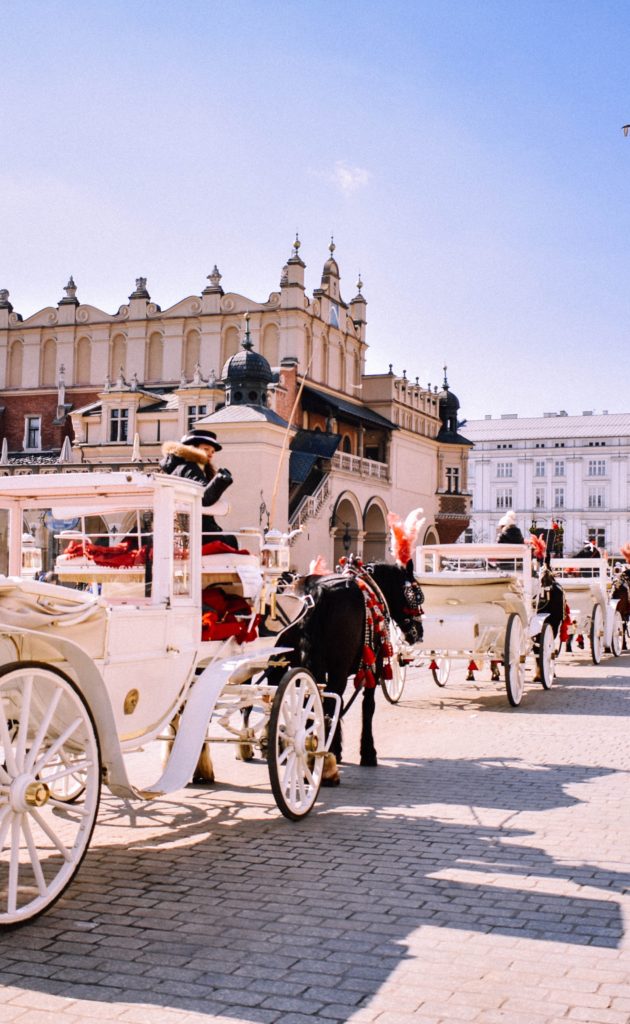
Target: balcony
[(361, 467)]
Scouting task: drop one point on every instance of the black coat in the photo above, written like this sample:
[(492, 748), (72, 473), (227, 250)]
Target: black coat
[(510, 535), (193, 464)]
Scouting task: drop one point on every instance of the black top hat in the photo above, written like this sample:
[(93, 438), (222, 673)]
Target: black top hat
[(200, 436)]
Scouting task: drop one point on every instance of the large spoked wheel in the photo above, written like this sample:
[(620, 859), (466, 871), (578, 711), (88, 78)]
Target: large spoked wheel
[(544, 657), (297, 730), (442, 671), (47, 735), (616, 639), (596, 636), (393, 688), (514, 667)]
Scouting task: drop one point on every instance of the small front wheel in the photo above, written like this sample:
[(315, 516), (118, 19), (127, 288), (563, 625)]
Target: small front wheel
[(297, 730), (48, 751), (441, 671), (544, 657), (596, 635), (514, 667), (617, 637), (393, 688)]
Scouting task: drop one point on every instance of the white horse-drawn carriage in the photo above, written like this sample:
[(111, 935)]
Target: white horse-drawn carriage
[(98, 660), (481, 606), (594, 614)]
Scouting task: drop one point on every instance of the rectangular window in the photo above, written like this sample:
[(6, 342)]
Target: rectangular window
[(558, 497), (539, 444), (194, 413), (539, 497), (597, 497), (504, 469), (119, 425), (597, 467), (539, 469), (452, 480), (597, 536), (558, 468), (504, 497), (33, 433)]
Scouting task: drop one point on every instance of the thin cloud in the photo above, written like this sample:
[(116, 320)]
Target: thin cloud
[(349, 179)]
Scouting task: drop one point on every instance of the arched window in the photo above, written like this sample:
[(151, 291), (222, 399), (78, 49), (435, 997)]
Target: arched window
[(346, 444), (271, 344), (118, 359), (16, 358), (83, 362), (154, 357), (49, 363), (231, 344), (191, 353)]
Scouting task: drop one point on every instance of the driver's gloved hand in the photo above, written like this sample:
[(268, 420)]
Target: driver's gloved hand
[(219, 483)]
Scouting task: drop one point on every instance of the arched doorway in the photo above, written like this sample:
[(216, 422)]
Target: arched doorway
[(375, 548), (345, 527), (431, 536)]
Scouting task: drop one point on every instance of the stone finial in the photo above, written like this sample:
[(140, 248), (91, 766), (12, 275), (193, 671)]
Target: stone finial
[(135, 383), (197, 378), (215, 283), (332, 246), (284, 276), (296, 245), (4, 300), (121, 382), (359, 284), (71, 294), (391, 369), (445, 385), (108, 383), (141, 289), (212, 379)]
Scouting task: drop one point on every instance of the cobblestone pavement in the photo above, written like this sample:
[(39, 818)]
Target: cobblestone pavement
[(479, 874)]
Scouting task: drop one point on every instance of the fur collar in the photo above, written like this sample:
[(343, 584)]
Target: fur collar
[(185, 451)]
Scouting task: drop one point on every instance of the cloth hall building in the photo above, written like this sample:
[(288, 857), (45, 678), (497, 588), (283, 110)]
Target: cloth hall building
[(311, 439)]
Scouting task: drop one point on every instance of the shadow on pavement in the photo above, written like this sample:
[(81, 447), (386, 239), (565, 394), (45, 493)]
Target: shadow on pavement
[(221, 906)]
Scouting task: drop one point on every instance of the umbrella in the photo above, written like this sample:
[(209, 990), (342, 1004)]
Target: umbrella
[(135, 452), (66, 455)]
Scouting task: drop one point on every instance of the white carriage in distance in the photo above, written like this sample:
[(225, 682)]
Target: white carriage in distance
[(98, 663), (594, 615), (481, 606)]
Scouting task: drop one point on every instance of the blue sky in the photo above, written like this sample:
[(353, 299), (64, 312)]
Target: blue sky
[(467, 156)]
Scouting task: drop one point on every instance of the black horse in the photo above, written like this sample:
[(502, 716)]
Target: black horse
[(329, 640), (621, 594)]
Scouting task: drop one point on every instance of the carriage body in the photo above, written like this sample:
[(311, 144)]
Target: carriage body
[(480, 606), (594, 618), (99, 656)]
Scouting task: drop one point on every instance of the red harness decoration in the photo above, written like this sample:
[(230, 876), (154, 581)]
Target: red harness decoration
[(377, 640)]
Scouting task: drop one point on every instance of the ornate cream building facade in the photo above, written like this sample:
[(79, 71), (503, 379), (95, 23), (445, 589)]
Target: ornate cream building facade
[(326, 447)]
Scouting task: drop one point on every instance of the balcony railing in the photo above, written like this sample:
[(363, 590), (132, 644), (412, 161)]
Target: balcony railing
[(362, 467)]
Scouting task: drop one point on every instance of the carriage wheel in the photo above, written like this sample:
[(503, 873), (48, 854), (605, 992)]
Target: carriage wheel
[(442, 672), (616, 640), (596, 636), (393, 688), (297, 729), (514, 667), (43, 838), (544, 656)]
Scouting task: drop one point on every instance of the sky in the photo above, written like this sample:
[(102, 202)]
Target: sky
[(466, 155)]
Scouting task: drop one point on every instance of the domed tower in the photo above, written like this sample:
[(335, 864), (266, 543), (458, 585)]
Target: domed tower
[(449, 409), (246, 375)]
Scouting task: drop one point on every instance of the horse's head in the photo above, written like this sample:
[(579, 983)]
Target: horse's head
[(403, 595)]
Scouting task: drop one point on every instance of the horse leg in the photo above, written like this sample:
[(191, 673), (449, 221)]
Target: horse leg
[(367, 749), (204, 769), (331, 776)]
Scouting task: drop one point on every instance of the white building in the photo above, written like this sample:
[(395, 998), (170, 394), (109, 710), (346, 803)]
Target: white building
[(574, 470)]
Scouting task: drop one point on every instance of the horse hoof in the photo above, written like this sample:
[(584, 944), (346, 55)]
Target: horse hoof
[(332, 780), (245, 752), (201, 780), (369, 762), (330, 775)]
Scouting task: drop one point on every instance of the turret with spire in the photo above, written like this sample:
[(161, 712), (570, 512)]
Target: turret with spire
[(292, 280)]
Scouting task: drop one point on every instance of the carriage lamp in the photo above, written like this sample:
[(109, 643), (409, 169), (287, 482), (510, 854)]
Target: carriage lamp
[(274, 553), (31, 557), (346, 540)]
